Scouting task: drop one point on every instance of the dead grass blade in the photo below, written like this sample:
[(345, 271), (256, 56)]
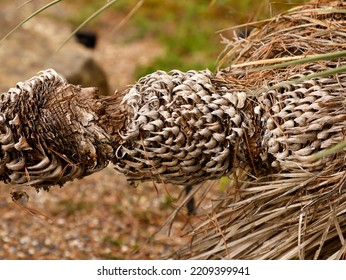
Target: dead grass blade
[(128, 16), (28, 18)]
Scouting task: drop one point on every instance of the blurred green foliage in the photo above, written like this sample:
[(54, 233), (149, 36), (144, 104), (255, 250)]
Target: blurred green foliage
[(187, 29)]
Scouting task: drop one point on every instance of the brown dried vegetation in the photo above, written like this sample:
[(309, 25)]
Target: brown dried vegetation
[(285, 199)]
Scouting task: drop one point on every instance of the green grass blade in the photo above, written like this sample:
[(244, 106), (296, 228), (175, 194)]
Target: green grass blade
[(301, 61), (110, 3), (28, 18), (326, 152), (337, 70), (326, 73)]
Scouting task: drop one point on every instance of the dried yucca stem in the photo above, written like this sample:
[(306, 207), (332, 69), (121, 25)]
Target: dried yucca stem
[(263, 127)]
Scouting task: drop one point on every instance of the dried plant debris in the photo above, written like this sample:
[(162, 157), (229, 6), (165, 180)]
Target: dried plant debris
[(298, 211), (270, 125)]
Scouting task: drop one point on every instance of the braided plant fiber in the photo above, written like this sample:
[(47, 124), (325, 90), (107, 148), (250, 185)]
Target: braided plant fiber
[(296, 209)]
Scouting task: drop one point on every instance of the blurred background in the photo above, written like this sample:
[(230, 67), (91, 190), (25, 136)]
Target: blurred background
[(101, 216)]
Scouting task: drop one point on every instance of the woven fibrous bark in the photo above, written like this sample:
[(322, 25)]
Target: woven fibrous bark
[(52, 132), (183, 129)]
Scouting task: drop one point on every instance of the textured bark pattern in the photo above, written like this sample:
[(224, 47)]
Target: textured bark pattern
[(302, 119), (182, 128), (52, 132)]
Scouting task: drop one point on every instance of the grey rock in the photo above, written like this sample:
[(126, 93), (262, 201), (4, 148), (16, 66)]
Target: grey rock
[(33, 47)]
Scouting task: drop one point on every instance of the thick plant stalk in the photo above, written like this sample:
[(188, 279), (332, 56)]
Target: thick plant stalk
[(180, 128), (177, 128), (189, 127)]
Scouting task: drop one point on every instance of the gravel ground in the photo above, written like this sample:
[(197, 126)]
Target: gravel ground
[(98, 217)]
